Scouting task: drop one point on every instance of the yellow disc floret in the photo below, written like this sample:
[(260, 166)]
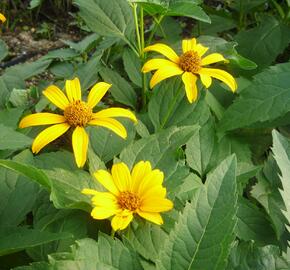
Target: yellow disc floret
[(78, 113), (128, 200), (190, 61)]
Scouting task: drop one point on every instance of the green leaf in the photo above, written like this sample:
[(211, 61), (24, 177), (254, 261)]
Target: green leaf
[(121, 90), (107, 253), (203, 233), (113, 20), (10, 117), (268, 40), (246, 5), (169, 107), (3, 50), (253, 224), (12, 140), (281, 152), (29, 171), (15, 77), (132, 66), (106, 144), (15, 239), (200, 147), (263, 102), (160, 149), (83, 45)]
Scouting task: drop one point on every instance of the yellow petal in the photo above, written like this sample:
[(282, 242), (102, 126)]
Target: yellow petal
[(97, 93), (154, 191), (206, 80), (56, 96), (38, 119), (105, 199), (212, 58), (2, 18), (156, 205), (221, 75), (120, 222), (73, 89), (48, 135), (164, 73), (99, 212), (106, 179), (89, 191), (153, 217), (201, 50), (154, 178), (121, 176), (115, 112), (165, 50), (189, 81), (157, 64), (80, 142), (111, 124), (140, 170), (188, 45)]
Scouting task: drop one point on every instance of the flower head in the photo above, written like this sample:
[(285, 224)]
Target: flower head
[(2, 18), (189, 65), (139, 192), (77, 114)]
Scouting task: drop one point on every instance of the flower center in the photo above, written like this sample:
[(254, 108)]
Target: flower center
[(78, 114), (128, 200), (190, 61)]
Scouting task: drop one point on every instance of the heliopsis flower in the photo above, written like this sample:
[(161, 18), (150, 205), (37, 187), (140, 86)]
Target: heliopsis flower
[(189, 65), (77, 114), (2, 18), (139, 192)]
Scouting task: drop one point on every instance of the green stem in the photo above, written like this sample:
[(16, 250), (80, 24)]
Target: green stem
[(113, 233), (153, 31), (137, 27), (142, 58)]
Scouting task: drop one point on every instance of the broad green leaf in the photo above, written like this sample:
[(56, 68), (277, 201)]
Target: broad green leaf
[(121, 90), (253, 224), (203, 233), (15, 76), (200, 147), (15, 203), (160, 149), (268, 40), (10, 117), (184, 8), (35, 3), (83, 45), (12, 140), (106, 144), (266, 192), (248, 256), (281, 152), (15, 239), (62, 54), (246, 5), (113, 20), (132, 66), (3, 50), (263, 102), (147, 239), (105, 254), (169, 107)]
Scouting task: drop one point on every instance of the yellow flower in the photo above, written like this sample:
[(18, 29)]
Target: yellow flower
[(139, 192), (76, 114), (2, 18), (190, 64)]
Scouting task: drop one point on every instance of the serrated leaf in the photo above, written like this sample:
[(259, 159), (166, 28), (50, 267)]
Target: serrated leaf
[(281, 151), (264, 101), (121, 90), (113, 20), (159, 149), (204, 231), (169, 107)]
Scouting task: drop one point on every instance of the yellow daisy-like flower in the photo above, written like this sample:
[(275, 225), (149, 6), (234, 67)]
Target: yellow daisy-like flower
[(190, 64), (139, 192), (2, 18), (77, 114)]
